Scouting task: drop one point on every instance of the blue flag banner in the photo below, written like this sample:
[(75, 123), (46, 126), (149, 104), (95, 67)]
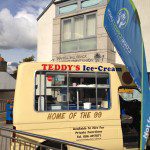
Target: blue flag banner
[(145, 105), (123, 26)]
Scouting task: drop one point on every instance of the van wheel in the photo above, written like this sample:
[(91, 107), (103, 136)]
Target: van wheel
[(52, 145)]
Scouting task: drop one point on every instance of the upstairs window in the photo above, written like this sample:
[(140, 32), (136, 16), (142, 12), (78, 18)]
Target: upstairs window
[(91, 24), (56, 91), (89, 3), (67, 29), (68, 8), (79, 27), (79, 33)]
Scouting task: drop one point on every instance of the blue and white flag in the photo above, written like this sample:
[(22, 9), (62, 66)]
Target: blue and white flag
[(123, 26)]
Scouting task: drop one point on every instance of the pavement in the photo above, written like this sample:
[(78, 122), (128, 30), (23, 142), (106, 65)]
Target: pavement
[(5, 142)]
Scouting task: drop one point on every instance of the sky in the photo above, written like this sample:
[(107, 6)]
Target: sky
[(18, 28)]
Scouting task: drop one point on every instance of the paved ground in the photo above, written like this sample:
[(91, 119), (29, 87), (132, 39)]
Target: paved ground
[(5, 142)]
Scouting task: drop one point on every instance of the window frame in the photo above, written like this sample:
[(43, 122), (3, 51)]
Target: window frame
[(95, 25), (81, 1), (62, 29), (67, 72), (85, 36), (66, 4), (79, 6)]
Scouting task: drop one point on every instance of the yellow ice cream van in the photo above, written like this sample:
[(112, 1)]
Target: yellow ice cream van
[(95, 104)]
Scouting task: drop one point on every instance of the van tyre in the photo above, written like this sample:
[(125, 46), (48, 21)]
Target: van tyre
[(51, 144)]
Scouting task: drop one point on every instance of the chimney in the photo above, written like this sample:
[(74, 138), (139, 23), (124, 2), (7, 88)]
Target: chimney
[(3, 65)]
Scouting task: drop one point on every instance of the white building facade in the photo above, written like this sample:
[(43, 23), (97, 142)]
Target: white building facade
[(72, 30)]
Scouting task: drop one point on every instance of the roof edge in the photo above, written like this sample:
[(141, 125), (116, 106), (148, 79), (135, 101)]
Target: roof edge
[(47, 7)]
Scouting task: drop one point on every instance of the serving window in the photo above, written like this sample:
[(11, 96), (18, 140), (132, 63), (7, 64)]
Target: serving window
[(55, 91)]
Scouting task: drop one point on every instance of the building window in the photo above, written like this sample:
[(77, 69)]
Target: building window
[(77, 5), (89, 3), (56, 91), (67, 29), (91, 22), (79, 27), (68, 8), (79, 33)]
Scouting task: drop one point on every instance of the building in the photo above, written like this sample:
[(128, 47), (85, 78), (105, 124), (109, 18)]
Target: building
[(3, 65), (7, 82), (72, 30)]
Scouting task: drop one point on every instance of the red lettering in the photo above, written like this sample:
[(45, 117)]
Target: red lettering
[(60, 67), (63, 67), (70, 67), (57, 67), (50, 67), (77, 68), (44, 66)]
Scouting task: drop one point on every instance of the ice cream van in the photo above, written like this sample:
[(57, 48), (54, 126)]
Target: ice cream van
[(95, 104)]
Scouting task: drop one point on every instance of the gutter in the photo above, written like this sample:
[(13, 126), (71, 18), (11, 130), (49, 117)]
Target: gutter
[(52, 2), (47, 7)]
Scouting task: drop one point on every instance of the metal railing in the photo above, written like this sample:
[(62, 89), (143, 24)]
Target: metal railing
[(26, 141), (2, 105), (3, 110)]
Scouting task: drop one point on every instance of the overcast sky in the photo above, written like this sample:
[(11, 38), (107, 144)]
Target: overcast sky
[(18, 28)]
